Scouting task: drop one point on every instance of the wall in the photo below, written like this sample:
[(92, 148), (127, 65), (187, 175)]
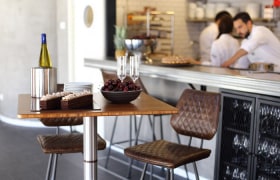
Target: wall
[(22, 22), (87, 42)]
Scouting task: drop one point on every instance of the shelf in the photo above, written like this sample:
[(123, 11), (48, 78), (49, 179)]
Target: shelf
[(159, 24), (267, 22), (162, 29), (204, 20), (212, 20), (236, 131)]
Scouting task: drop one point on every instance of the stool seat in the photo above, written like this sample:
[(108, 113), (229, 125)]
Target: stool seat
[(65, 143), (73, 121), (167, 154)]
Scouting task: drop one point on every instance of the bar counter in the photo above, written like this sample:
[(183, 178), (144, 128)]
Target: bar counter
[(226, 78), (167, 83)]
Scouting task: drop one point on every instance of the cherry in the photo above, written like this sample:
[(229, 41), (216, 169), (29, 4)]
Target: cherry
[(117, 85)]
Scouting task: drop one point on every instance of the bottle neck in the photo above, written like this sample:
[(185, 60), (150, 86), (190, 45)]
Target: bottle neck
[(43, 39)]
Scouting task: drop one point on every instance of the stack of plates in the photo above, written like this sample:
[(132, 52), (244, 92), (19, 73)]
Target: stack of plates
[(78, 87)]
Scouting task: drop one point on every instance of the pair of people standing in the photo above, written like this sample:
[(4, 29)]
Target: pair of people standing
[(259, 43), (217, 43), (226, 45)]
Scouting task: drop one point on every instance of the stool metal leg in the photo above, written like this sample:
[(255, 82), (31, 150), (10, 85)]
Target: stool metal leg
[(48, 174), (152, 124), (151, 172), (51, 170), (54, 165), (168, 174), (171, 174), (135, 128), (161, 129), (111, 141), (144, 171), (185, 166), (137, 131), (130, 131), (195, 171)]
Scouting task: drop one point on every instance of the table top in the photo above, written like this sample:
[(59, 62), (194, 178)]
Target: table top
[(144, 104)]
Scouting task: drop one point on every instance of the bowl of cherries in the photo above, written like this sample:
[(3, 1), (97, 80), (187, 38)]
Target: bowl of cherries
[(120, 92)]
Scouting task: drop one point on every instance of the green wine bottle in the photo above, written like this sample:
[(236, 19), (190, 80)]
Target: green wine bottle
[(45, 59)]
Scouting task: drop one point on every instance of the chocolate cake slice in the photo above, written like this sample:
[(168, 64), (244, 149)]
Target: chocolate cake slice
[(52, 101), (82, 100)]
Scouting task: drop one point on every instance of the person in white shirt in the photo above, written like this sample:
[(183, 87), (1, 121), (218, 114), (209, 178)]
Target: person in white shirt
[(208, 35), (259, 44), (226, 45)]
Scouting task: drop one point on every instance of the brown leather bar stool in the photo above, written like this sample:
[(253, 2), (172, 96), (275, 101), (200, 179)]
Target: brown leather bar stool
[(62, 143), (198, 117)]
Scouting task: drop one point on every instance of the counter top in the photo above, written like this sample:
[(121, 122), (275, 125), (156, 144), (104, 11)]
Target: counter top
[(240, 80)]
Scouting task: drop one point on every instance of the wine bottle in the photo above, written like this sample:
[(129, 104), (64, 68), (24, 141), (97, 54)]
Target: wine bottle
[(45, 59)]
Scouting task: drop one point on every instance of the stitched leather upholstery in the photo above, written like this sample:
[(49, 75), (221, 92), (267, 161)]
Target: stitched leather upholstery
[(62, 121), (65, 143), (198, 116)]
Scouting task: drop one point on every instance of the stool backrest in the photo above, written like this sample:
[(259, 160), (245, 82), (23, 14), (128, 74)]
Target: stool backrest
[(198, 114)]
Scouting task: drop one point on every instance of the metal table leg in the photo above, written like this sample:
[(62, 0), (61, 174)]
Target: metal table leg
[(90, 148)]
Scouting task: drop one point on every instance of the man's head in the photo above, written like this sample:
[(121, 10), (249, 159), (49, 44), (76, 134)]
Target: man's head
[(221, 14), (243, 24)]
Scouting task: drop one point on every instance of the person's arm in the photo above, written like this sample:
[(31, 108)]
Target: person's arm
[(234, 58)]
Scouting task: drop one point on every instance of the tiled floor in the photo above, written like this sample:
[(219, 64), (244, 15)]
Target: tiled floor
[(22, 159)]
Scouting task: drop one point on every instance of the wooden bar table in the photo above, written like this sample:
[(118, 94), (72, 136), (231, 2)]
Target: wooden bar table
[(143, 105)]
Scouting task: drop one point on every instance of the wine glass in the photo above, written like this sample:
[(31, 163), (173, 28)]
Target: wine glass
[(235, 106), (227, 173), (134, 67), (273, 151), (121, 67), (244, 146), (264, 119), (243, 175), (235, 174), (236, 145)]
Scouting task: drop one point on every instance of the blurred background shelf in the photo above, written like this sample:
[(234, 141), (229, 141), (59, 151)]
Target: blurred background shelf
[(153, 24)]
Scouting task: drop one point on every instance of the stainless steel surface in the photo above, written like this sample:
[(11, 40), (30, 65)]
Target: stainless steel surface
[(35, 104), (134, 44), (262, 67), (43, 81), (90, 148), (241, 80), (140, 47)]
